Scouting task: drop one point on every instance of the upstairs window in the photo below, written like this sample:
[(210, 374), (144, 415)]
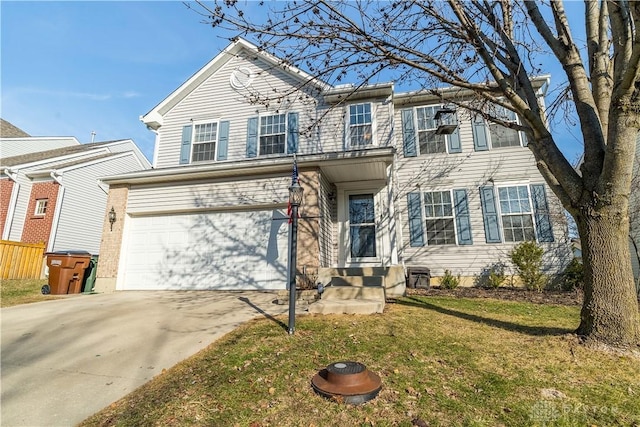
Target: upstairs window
[(502, 136), (205, 137), (41, 207), (360, 125), (204, 141), (428, 141), (273, 134), (488, 135)]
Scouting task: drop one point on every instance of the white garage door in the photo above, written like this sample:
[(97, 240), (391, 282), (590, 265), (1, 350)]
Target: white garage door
[(224, 250)]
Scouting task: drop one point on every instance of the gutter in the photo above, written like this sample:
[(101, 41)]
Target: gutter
[(252, 167), (57, 177)]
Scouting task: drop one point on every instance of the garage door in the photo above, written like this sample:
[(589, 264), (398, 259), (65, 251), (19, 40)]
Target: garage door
[(224, 250)]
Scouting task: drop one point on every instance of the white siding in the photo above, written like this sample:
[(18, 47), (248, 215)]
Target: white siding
[(216, 100), (190, 196), (470, 170), (84, 205), (22, 204), (10, 147)]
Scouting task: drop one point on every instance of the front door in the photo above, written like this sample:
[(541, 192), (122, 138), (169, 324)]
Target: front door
[(362, 227)]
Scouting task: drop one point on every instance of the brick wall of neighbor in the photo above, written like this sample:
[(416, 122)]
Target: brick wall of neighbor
[(111, 239), (37, 228), (6, 187), (309, 228)]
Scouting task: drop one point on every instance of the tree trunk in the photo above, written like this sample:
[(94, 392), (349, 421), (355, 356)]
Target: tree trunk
[(610, 310)]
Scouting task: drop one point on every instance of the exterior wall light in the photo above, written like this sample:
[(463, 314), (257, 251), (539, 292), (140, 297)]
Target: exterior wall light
[(112, 217)]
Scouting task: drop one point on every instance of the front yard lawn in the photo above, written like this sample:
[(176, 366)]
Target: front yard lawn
[(443, 362), (15, 292)]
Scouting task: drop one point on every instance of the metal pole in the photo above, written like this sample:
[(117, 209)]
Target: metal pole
[(293, 252)]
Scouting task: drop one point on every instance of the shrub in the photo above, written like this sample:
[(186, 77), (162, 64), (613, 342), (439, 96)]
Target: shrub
[(573, 276), (527, 258), (492, 276), (449, 281)]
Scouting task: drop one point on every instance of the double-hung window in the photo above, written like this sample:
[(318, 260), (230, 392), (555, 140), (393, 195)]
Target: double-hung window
[(516, 213), (273, 134), (41, 207), (428, 141), (205, 138), (440, 226), (360, 125), (439, 218), (502, 136)]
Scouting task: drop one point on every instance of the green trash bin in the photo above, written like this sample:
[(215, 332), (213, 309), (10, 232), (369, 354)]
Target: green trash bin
[(90, 275)]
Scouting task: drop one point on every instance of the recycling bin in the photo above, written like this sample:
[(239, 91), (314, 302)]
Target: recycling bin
[(90, 275), (66, 271)]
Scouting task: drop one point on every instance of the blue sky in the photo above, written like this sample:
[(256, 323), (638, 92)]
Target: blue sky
[(76, 67)]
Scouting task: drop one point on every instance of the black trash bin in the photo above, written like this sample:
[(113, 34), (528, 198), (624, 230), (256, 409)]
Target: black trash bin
[(419, 277), (66, 271)]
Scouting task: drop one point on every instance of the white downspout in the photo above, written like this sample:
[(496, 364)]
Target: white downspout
[(13, 176), (57, 177)]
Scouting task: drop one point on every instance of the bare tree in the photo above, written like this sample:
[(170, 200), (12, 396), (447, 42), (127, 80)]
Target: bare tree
[(493, 49)]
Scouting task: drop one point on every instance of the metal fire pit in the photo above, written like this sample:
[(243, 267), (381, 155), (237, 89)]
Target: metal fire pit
[(349, 382)]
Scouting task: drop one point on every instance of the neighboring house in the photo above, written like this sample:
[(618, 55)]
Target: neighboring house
[(8, 130), (50, 190), (383, 191)]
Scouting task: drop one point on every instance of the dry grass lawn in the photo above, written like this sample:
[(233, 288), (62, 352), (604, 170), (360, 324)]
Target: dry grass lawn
[(443, 362)]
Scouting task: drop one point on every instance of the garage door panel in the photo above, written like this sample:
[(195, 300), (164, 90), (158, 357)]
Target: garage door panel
[(223, 250)]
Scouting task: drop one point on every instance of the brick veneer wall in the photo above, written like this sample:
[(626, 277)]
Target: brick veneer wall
[(6, 187), (111, 242), (37, 228), (309, 228)]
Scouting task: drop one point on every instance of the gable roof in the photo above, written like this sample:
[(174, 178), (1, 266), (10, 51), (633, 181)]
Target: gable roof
[(7, 130), (52, 154), (153, 119)]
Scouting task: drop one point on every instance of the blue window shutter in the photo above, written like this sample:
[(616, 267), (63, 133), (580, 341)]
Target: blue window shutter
[(490, 215), (541, 210), (454, 138), (185, 147), (416, 232), (223, 140), (252, 137), (463, 219), (408, 133), (523, 138), (480, 142), (293, 134)]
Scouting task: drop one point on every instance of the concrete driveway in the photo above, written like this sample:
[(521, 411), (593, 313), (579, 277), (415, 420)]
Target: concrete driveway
[(64, 360)]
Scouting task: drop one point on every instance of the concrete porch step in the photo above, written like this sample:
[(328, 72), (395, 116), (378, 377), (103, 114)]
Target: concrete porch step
[(353, 306), (357, 281), (353, 292)]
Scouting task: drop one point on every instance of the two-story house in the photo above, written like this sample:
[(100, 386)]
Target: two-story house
[(383, 190)]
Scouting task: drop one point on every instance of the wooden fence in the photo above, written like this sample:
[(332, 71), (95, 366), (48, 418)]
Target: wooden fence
[(20, 260)]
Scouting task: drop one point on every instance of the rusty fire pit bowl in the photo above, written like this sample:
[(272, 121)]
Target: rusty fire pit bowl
[(349, 382)]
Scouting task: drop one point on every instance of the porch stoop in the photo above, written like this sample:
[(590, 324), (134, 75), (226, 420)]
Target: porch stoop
[(351, 295)]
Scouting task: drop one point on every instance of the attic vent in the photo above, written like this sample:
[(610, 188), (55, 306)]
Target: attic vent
[(241, 78)]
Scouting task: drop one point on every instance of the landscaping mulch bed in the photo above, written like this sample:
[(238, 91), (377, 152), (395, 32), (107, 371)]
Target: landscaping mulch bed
[(509, 294)]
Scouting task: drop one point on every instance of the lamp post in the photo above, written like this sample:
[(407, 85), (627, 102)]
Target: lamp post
[(295, 199)]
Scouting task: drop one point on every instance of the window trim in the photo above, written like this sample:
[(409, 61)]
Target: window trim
[(194, 143), (39, 209), (425, 217), (531, 213), (348, 125), (517, 121), (418, 130), (285, 132)]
